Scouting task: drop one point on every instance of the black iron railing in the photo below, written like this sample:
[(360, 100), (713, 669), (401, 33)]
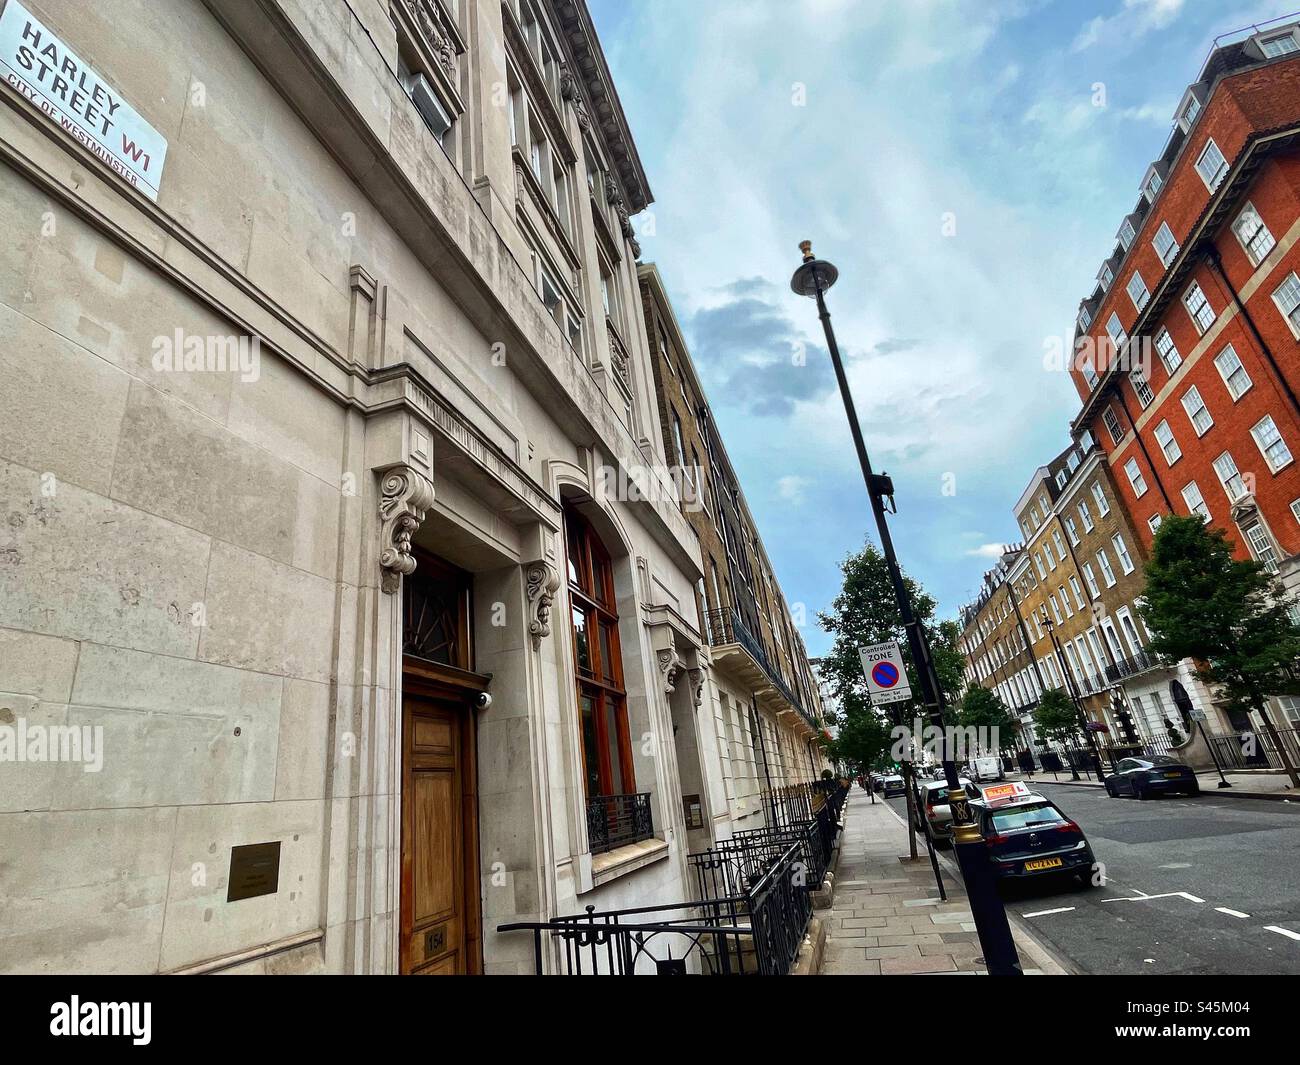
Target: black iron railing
[(1130, 665), (725, 626), (616, 820), (1255, 749)]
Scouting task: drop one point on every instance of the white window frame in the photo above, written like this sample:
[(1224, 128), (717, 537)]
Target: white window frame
[(1115, 329), (1153, 522), (1192, 491), (1252, 234), (1141, 388), (1287, 299), (1076, 589), (1197, 309), (1135, 478), (1086, 515), (1099, 494), (1168, 351), (1111, 419), (1263, 549), (1168, 442), (1091, 578), (1127, 234), (1165, 245), (1256, 433), (1194, 404), (1267, 39), (1107, 572), (1225, 469), (1211, 164), (1121, 552), (1235, 371), (1072, 530), (1137, 290)]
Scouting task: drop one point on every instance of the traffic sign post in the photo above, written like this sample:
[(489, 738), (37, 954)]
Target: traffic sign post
[(882, 664)]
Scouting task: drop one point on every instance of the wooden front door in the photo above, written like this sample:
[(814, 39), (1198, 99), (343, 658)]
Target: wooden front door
[(440, 883)]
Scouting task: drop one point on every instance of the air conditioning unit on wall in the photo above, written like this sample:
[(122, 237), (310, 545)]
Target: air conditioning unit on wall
[(427, 103)]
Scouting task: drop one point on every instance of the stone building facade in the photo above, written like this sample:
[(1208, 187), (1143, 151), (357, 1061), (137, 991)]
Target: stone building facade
[(316, 450), (764, 728)]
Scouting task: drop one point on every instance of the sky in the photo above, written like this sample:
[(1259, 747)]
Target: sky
[(966, 167)]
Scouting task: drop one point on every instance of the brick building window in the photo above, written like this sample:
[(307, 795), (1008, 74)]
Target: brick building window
[(1211, 165), (1233, 373), (1197, 411), (1137, 290), (1141, 389), (1086, 515), (1115, 329), (1270, 443), (1099, 496), (1135, 478), (1198, 307), (1167, 351), (1107, 573), (1261, 546), (1153, 522), (1091, 578), (1126, 234), (1121, 552), (1168, 445), (1287, 298), (1278, 44), (1164, 243), (1112, 425), (1254, 236), (1195, 501), (1226, 468), (1072, 531)]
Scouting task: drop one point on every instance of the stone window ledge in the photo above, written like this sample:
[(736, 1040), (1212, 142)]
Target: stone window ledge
[(626, 859)]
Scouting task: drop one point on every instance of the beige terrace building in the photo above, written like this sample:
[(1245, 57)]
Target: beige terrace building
[(378, 662)]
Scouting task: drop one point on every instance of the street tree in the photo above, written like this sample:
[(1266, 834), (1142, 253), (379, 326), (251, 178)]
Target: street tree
[(1055, 717), (1229, 615), (984, 709)]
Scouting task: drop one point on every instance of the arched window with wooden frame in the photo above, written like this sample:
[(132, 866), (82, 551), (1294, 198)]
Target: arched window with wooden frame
[(615, 815)]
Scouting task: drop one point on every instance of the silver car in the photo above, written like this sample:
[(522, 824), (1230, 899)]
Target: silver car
[(932, 805)]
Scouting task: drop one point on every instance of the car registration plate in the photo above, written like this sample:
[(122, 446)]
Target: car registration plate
[(1174, 775), (1043, 863)]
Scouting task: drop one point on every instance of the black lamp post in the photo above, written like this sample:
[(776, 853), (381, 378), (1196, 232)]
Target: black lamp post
[(812, 279), (1074, 698)]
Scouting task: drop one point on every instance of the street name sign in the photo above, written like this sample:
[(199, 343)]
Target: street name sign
[(882, 664)]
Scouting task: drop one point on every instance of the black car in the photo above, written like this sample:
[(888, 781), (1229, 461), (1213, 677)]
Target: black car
[(1031, 838), (1158, 774)]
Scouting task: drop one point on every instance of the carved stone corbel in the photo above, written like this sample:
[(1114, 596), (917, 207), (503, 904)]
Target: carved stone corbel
[(541, 580), (696, 677), (670, 665), (404, 496)]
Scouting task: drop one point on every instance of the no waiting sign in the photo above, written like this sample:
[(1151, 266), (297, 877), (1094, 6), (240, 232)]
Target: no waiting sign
[(882, 663)]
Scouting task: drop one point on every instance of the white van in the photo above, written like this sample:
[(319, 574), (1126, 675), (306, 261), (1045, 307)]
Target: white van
[(986, 767)]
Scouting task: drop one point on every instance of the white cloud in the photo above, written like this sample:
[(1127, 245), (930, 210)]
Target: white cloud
[(791, 488), (1133, 20), (987, 551)]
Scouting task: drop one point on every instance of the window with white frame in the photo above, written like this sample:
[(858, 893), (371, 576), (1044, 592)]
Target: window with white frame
[(1055, 608), (1065, 603), (1089, 370), (1167, 351), (1072, 531), (1295, 510), (1270, 443), (1115, 329), (1168, 445), (1047, 554), (1112, 425), (1153, 522), (1141, 389), (1261, 546), (1060, 544), (1287, 298), (1233, 373), (1195, 501), (1121, 552), (1107, 573), (1106, 276), (1197, 411), (1077, 589), (1254, 236), (1137, 290), (1135, 478), (1091, 578), (1278, 44), (1085, 319), (1038, 565), (1198, 307), (1099, 496), (1153, 185), (1073, 461), (1211, 165), (1190, 112), (1086, 515), (1226, 469), (1061, 475), (1164, 243), (1126, 234)]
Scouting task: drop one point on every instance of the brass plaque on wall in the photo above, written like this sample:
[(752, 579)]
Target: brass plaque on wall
[(693, 808), (254, 870)]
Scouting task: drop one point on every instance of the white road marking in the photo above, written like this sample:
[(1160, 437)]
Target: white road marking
[(1063, 909), (1142, 897), (1283, 931), (1231, 913)]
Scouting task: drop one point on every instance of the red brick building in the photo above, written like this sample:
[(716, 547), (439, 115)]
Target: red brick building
[(1187, 352)]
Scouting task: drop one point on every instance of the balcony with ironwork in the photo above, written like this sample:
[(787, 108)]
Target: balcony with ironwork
[(1131, 666), (617, 820), (739, 651)]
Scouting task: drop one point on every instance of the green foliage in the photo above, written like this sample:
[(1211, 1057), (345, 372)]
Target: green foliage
[(1055, 717), (983, 708), (864, 738), (1227, 614)]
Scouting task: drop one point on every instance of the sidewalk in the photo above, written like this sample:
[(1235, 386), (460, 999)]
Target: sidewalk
[(887, 918), (1258, 784)]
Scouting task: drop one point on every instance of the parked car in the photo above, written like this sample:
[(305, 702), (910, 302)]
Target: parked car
[(1028, 837), (893, 785), (986, 767), (932, 807), (1157, 774)]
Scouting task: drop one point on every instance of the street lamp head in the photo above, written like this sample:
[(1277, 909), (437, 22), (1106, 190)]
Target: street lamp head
[(815, 275), (1047, 621)]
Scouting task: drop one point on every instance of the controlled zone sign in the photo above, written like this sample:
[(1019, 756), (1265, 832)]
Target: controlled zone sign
[(882, 663)]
